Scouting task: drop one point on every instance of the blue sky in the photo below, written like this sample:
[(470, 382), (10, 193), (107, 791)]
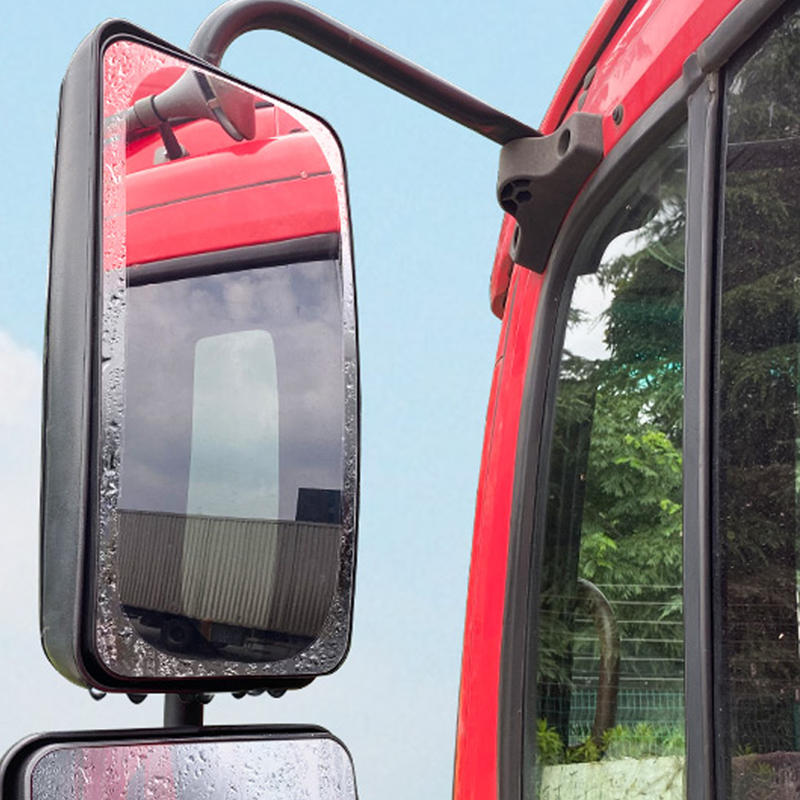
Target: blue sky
[(425, 223)]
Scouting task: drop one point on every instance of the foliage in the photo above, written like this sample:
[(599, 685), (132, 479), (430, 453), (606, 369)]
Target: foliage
[(642, 740), (549, 747), (614, 510)]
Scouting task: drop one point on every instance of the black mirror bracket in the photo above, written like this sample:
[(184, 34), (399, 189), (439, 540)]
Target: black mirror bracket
[(184, 710), (326, 34), (538, 180)]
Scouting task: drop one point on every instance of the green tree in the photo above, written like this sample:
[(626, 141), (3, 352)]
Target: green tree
[(615, 485)]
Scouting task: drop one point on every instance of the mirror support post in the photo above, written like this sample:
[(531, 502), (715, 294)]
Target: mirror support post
[(181, 711), (326, 34)]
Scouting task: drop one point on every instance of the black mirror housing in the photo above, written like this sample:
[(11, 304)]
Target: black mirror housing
[(200, 462)]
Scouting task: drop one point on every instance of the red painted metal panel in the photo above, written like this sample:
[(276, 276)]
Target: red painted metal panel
[(587, 53), (234, 218), (476, 749), (503, 267), (646, 56), (224, 195)]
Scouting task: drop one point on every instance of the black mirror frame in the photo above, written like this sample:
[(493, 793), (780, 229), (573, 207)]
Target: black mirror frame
[(14, 763), (71, 461)]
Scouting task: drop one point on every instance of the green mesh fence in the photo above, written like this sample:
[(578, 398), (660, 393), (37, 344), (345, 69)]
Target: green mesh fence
[(650, 702), (661, 712)]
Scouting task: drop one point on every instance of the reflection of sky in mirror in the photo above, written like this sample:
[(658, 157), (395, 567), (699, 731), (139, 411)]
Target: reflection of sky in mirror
[(586, 337), (234, 468), (204, 770), (298, 306)]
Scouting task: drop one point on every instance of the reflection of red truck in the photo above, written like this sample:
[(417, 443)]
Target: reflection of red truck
[(239, 204), (131, 772)]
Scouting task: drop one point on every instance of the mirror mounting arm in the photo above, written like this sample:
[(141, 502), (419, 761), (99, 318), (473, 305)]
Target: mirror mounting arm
[(324, 33)]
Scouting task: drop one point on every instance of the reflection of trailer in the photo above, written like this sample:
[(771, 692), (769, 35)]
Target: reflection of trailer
[(215, 582)]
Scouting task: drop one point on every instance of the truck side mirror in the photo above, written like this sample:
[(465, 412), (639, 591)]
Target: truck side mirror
[(200, 462), (256, 763)]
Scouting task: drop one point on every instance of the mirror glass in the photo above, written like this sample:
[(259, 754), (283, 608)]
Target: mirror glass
[(228, 364), (263, 769)]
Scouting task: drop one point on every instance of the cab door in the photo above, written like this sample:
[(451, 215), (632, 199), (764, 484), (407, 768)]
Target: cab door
[(652, 640)]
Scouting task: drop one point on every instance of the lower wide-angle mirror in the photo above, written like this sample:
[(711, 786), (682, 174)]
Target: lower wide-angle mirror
[(246, 763), (201, 402)]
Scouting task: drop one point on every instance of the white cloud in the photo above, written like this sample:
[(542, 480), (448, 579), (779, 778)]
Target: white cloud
[(20, 412), (39, 699), (20, 385)]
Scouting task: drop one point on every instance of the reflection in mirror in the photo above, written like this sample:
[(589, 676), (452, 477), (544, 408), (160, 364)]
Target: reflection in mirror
[(263, 769), (228, 378)]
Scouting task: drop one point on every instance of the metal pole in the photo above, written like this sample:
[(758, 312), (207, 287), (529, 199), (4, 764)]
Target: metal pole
[(324, 33), (181, 711)]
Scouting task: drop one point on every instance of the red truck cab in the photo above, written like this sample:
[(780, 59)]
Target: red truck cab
[(621, 636)]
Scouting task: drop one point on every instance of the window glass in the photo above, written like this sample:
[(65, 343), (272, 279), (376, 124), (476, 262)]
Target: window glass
[(258, 351), (232, 464), (604, 707), (757, 521)]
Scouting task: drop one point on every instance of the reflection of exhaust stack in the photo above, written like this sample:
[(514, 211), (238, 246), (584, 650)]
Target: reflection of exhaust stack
[(197, 96)]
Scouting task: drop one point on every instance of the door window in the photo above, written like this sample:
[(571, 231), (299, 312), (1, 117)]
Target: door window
[(604, 679), (757, 589)]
